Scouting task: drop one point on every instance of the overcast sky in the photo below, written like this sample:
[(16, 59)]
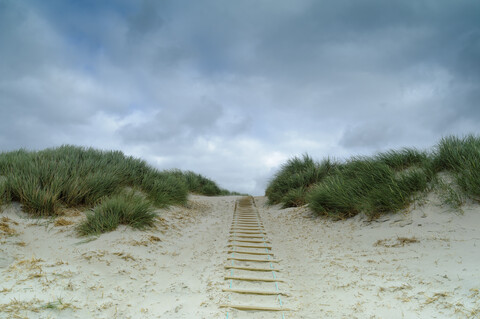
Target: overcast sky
[(232, 89)]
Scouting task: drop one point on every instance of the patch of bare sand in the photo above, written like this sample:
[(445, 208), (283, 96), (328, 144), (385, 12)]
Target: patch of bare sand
[(173, 271), (421, 264)]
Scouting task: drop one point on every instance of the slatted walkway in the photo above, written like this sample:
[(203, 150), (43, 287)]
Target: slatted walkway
[(253, 275)]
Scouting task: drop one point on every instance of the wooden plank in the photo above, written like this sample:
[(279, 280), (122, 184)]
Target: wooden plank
[(252, 279), (249, 246), (247, 232), (251, 268), (249, 253), (249, 241), (254, 260), (247, 225), (247, 221), (249, 236), (258, 308), (254, 292)]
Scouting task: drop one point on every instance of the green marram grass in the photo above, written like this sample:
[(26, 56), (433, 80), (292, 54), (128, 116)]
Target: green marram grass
[(366, 185), (48, 181), (295, 178), (461, 157), (403, 159), (122, 209), (387, 182), (4, 191)]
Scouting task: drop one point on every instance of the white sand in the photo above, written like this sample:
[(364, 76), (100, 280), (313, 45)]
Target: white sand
[(122, 274), (346, 269), (361, 269)]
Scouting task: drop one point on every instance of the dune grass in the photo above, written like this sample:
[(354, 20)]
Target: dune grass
[(386, 182), (291, 184), (404, 158), (121, 209), (197, 183), (366, 185), (48, 181), (461, 157), (4, 191)]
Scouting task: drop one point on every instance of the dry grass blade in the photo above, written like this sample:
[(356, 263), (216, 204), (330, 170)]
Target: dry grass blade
[(405, 240), (154, 239), (5, 226), (62, 222), (124, 256), (399, 242)]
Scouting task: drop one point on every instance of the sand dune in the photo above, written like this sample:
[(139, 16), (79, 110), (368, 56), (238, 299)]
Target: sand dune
[(419, 264)]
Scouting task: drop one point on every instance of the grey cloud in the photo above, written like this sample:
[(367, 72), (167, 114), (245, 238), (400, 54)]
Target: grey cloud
[(468, 56), (371, 135), (204, 85), (204, 117), (146, 20), (27, 42), (178, 127)]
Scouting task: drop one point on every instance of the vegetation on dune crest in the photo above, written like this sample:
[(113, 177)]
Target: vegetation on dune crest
[(386, 182), (47, 181), (366, 185), (461, 157), (291, 184), (199, 184)]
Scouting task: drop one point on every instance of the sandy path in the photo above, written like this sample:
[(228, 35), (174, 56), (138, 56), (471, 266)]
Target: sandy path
[(173, 271), (422, 264)]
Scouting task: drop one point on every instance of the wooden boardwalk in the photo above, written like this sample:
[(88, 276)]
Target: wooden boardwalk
[(252, 277)]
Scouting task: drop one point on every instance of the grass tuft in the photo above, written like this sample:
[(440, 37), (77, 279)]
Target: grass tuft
[(450, 195), (4, 191), (365, 185), (461, 156), (290, 185), (403, 159), (130, 209)]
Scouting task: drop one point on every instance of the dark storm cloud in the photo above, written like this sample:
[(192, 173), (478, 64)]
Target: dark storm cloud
[(232, 89), (147, 19)]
